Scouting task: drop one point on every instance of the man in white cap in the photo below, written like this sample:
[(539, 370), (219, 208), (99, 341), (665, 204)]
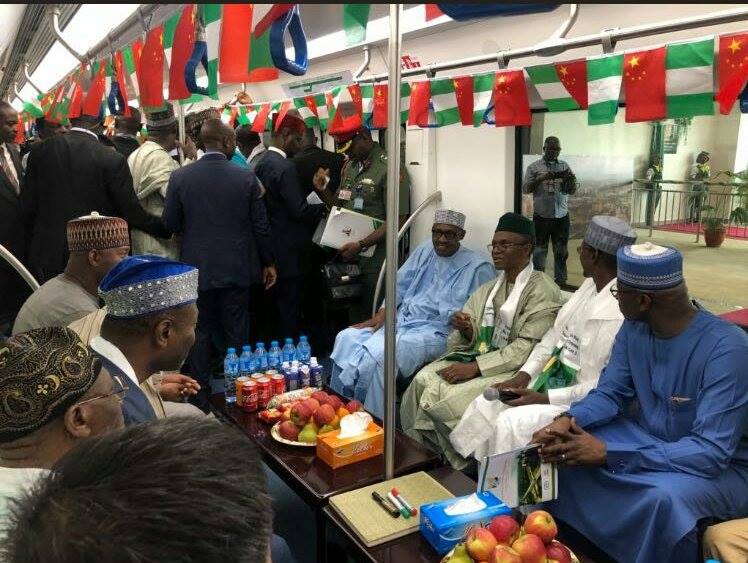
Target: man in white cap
[(662, 442), (96, 244), (432, 285), (564, 365)]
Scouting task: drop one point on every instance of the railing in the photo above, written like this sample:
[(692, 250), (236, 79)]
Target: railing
[(436, 196), (18, 267), (681, 210)]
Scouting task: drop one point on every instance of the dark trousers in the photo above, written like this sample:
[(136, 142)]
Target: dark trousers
[(557, 231), (288, 294), (222, 322)]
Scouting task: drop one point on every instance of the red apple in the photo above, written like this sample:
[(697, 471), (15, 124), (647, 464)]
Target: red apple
[(505, 529), (557, 552), (334, 402), (530, 548), (321, 396), (300, 414), (542, 525), (288, 430), (354, 406), (324, 415), (504, 554), (313, 404), (480, 543)]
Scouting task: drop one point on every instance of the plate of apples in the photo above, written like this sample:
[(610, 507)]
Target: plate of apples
[(505, 541)]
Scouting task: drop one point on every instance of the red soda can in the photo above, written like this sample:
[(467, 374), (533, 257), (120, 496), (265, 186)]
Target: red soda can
[(264, 391), (250, 396), (240, 381), (257, 376), (270, 373), (279, 383)]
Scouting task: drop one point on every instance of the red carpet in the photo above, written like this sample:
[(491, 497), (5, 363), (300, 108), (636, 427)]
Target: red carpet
[(740, 232)]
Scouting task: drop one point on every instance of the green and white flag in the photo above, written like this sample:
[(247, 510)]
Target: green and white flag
[(404, 101), (689, 84), (604, 75), (551, 90), (444, 101), (131, 75), (367, 102), (322, 112), (482, 95), (306, 112), (211, 19)]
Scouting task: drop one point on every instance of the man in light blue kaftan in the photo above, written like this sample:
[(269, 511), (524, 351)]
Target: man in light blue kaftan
[(433, 283), (668, 423)]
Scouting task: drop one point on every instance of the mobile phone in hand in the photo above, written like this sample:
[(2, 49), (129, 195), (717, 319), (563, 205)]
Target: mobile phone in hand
[(505, 395)]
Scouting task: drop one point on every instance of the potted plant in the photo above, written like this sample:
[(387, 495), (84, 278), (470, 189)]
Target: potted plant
[(714, 227)]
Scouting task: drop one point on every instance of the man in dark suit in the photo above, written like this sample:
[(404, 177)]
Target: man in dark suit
[(68, 176), (217, 207), (291, 218), (13, 290), (126, 131)]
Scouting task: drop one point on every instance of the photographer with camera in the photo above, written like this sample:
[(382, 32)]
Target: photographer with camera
[(551, 181)]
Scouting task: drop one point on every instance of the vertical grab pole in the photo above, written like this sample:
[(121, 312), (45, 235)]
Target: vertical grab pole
[(182, 134), (393, 190)]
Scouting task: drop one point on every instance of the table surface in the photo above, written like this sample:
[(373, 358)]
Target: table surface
[(313, 478), (412, 548)]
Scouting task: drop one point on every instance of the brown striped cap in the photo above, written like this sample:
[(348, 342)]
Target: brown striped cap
[(97, 232)]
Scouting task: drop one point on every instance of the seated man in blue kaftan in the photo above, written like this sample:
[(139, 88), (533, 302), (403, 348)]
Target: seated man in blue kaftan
[(662, 441), (432, 285)]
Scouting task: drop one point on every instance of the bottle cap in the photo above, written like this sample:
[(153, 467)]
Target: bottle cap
[(313, 360), (231, 351), (302, 338), (289, 340), (273, 343), (246, 347), (260, 344)]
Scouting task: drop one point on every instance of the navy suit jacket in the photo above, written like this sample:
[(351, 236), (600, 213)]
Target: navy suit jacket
[(135, 405), (217, 207), (290, 214)]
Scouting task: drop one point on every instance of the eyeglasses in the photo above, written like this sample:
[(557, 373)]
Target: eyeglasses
[(448, 235), (118, 390), (616, 291), (503, 245)]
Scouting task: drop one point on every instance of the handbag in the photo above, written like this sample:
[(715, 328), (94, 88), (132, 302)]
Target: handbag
[(343, 281)]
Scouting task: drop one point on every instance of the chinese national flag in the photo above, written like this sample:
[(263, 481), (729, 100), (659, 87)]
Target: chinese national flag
[(464, 95), (573, 75), (733, 69), (644, 85), (511, 105), (379, 111), (119, 74), (151, 71), (181, 51), (92, 101), (420, 95), (76, 102), (21, 130), (345, 116)]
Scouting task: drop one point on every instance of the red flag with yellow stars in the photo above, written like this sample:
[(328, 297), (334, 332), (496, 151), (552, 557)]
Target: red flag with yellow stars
[(733, 69), (95, 94), (644, 85), (151, 70), (573, 75), (464, 96), (420, 94), (181, 51), (511, 105), (379, 111)]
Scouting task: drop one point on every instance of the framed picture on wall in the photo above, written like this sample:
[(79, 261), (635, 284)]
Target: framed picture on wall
[(671, 136)]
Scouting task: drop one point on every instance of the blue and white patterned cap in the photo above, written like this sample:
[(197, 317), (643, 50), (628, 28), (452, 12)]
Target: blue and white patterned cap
[(449, 217), (608, 234), (648, 266), (145, 284)]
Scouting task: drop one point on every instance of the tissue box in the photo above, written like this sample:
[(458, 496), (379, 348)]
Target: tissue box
[(337, 452), (444, 531)]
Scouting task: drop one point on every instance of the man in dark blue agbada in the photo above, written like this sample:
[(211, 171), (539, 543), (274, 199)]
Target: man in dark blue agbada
[(662, 442)]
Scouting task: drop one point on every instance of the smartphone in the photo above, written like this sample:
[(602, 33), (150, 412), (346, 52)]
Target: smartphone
[(505, 395)]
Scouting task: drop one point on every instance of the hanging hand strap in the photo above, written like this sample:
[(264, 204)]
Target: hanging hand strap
[(114, 100), (291, 21), (199, 56)]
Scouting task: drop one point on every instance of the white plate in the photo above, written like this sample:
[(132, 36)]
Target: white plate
[(277, 437)]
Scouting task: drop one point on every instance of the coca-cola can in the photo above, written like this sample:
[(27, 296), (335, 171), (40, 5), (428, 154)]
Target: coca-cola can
[(279, 383), (264, 392), (250, 396), (257, 376), (240, 381)]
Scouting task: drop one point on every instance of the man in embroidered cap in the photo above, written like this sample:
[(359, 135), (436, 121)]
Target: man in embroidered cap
[(363, 188), (434, 282), (565, 364), (662, 441), (291, 218), (149, 327), (96, 244), (53, 393), (492, 337)]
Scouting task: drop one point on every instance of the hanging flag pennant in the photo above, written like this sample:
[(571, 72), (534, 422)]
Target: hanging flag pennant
[(644, 85), (367, 103), (95, 94), (355, 21), (243, 57), (733, 69), (275, 12), (307, 109), (420, 95), (261, 121), (151, 70), (511, 105), (120, 76), (33, 110), (131, 58), (432, 12), (379, 107), (573, 77), (179, 40), (345, 108), (548, 84), (45, 101), (689, 81), (280, 113), (463, 87), (75, 108), (604, 76), (211, 27), (444, 102), (483, 85), (58, 112), (21, 129)]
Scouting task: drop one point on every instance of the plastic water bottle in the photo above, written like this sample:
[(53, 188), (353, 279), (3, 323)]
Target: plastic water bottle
[(261, 357), (303, 350), (289, 351), (274, 355), (231, 372), (305, 376), (316, 372), (246, 361), (293, 379)]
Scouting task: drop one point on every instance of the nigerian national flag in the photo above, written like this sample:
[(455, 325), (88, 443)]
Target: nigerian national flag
[(689, 86), (552, 91), (444, 100), (482, 95), (33, 110), (367, 103), (211, 20), (604, 75), (307, 109)]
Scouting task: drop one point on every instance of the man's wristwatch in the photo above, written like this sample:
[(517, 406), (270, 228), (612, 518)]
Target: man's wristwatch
[(562, 415), (363, 245)]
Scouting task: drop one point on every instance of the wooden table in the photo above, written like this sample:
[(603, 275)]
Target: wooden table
[(312, 479)]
